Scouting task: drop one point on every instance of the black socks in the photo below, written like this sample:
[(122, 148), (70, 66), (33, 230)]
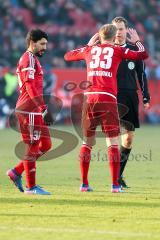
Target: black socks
[(124, 155)]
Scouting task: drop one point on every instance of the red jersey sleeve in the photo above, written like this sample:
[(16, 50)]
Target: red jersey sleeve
[(27, 67), (141, 53), (76, 54)]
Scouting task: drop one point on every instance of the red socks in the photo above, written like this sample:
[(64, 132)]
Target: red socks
[(19, 168), (30, 171), (32, 152), (29, 164), (85, 157), (114, 163)]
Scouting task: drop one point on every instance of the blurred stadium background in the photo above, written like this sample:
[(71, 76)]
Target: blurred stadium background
[(68, 214), (70, 24)]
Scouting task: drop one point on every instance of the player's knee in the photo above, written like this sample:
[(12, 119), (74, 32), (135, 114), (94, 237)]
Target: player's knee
[(89, 141), (112, 141), (31, 152), (128, 141)]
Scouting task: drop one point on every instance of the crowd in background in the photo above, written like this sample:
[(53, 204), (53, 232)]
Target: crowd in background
[(70, 24)]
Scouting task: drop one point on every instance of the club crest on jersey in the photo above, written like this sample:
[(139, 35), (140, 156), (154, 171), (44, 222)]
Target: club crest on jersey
[(131, 65)]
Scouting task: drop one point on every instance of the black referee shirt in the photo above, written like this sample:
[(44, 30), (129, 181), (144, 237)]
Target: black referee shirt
[(128, 73)]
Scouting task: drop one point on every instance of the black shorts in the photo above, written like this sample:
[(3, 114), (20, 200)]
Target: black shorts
[(128, 105)]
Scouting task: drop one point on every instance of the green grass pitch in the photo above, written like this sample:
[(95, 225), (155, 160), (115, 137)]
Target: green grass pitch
[(69, 214)]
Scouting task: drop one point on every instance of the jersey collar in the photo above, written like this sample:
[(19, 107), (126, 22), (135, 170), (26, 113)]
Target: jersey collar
[(121, 45)]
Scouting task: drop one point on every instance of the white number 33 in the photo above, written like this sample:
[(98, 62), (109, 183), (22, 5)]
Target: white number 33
[(106, 61)]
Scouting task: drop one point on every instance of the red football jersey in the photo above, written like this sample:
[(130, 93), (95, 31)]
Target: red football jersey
[(102, 63), (29, 70)]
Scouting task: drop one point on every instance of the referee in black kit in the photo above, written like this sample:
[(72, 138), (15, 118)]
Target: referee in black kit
[(128, 72)]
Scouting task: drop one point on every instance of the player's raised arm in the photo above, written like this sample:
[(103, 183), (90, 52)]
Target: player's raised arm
[(141, 53), (79, 54), (76, 54)]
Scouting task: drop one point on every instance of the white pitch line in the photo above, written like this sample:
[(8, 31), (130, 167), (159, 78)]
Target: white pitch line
[(72, 230)]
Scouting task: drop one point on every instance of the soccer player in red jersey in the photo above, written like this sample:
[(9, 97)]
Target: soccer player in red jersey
[(100, 103), (31, 112)]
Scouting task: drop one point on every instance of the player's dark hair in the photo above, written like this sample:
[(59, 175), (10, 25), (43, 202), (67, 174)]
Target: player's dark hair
[(120, 19), (35, 35)]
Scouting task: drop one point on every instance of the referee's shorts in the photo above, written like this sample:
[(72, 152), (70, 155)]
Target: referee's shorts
[(128, 104)]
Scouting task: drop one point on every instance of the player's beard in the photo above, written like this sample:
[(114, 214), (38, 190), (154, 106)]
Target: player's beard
[(40, 53)]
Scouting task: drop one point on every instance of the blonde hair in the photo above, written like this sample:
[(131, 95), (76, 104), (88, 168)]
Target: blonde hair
[(107, 31)]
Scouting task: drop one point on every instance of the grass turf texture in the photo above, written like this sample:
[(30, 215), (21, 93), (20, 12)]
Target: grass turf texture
[(69, 214)]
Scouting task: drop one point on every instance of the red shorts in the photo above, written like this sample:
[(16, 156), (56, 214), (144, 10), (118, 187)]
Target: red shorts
[(32, 127), (100, 109)]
